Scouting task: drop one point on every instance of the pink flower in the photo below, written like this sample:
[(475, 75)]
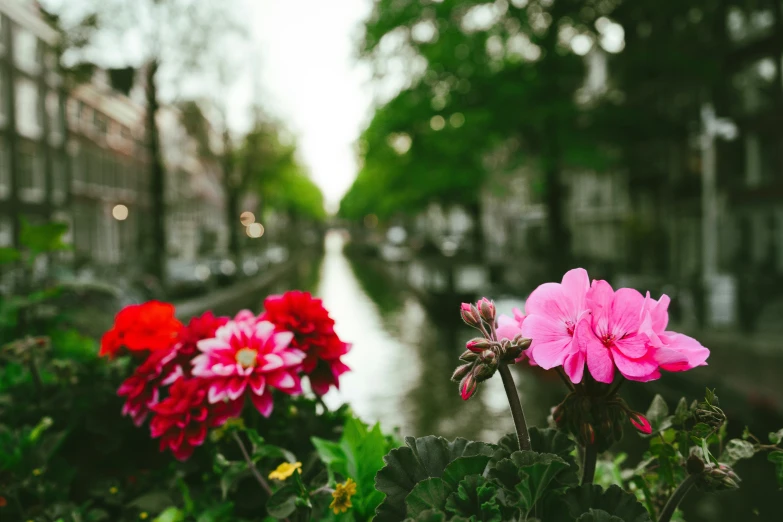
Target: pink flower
[(243, 356), (611, 337), (673, 351), (142, 389), (510, 327), (554, 311)]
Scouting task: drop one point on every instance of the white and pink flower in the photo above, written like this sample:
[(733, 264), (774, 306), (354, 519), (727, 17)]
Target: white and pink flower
[(246, 356)]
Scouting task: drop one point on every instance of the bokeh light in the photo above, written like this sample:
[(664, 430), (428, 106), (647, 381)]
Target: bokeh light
[(120, 212), (437, 122), (247, 218), (255, 230)]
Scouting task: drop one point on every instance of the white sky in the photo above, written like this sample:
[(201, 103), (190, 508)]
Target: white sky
[(310, 78)]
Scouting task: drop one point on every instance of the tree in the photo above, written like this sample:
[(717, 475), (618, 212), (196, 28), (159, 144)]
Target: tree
[(482, 75)]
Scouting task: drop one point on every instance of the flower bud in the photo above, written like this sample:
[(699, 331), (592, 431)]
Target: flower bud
[(521, 342), (478, 344), (719, 477), (487, 310), (694, 465), (461, 372), (470, 315), (640, 422), (468, 356), (709, 415), (482, 372), (467, 387), (587, 433)]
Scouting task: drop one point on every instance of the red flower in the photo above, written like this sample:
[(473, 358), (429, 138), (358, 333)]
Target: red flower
[(142, 389), (313, 329), (149, 326), (199, 328), (182, 420)]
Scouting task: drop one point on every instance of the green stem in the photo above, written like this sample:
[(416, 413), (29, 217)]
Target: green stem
[(676, 498), (588, 467), (516, 407), (264, 484)]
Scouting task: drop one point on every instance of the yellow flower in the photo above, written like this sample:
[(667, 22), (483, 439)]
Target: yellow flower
[(285, 470), (113, 490), (37, 472), (342, 496), (143, 515)]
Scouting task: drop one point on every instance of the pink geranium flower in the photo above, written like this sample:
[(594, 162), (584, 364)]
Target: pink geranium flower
[(674, 352), (246, 356), (554, 311), (611, 336), (510, 327)]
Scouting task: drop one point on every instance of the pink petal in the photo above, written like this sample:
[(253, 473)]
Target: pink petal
[(658, 312), (641, 423), (626, 314), (206, 345), (599, 302), (272, 361), (263, 403), (633, 346), (575, 285), (292, 356), (236, 387), (574, 366), (551, 342), (551, 301), (692, 349), (599, 360), (508, 327), (634, 369), (281, 340), (217, 392), (281, 380), (257, 383), (264, 329)]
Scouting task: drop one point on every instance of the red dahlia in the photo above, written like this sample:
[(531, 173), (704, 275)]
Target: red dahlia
[(149, 326)]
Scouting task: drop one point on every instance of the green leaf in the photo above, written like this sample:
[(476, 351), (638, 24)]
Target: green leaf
[(541, 468), (701, 430), (430, 494), (462, 467), (577, 501), (171, 514), (431, 515), (736, 450), (231, 476), (153, 502), (44, 238), (776, 457), (475, 497), (551, 441), (681, 413), (420, 459), (282, 503), (598, 515), (9, 255), (658, 415), (711, 398), (776, 437)]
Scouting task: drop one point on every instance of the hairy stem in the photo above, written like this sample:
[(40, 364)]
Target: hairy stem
[(264, 484), (676, 498), (615, 387), (516, 407), (588, 466)]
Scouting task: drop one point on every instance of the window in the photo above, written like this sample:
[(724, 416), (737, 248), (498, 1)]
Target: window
[(109, 170), (78, 171), (26, 50), (54, 112), (28, 108), (94, 170), (5, 170), (30, 172), (59, 179), (101, 123)]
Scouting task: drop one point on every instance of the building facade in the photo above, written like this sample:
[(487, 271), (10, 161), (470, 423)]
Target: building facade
[(33, 135)]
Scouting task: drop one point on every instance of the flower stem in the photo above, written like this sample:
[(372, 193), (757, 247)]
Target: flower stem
[(588, 466), (264, 484), (676, 498), (565, 378), (516, 407)]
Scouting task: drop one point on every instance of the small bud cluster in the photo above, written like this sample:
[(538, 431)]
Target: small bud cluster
[(485, 353), (597, 420), (713, 476), (709, 414)]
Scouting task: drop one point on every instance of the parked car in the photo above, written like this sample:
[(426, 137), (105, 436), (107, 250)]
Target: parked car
[(187, 278)]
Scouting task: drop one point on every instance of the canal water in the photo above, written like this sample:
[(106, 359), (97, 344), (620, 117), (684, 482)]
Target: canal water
[(402, 360)]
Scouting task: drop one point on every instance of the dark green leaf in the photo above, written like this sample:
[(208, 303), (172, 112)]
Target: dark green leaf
[(776, 436), (598, 515), (541, 470), (430, 494), (231, 476), (475, 497), (282, 503), (462, 467), (736, 450), (579, 500), (420, 459), (153, 502), (701, 430), (776, 457), (681, 413), (711, 398), (658, 415), (430, 515)]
